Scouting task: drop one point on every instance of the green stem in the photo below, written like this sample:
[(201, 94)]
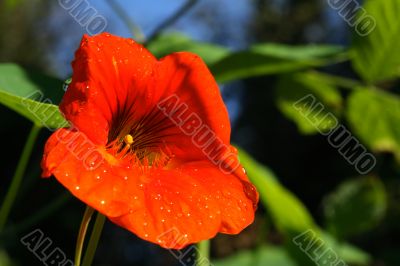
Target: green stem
[(203, 253), (120, 11), (87, 216), (17, 178), (94, 240)]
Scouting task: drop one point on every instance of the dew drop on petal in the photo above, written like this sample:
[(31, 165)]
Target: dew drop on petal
[(77, 187), (103, 202)]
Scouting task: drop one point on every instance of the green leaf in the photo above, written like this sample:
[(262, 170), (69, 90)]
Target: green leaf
[(355, 207), (288, 213), (374, 117), (346, 252), (30, 94), (298, 96), (265, 255), (5, 259), (176, 42), (268, 59), (300, 52), (376, 57), (292, 219)]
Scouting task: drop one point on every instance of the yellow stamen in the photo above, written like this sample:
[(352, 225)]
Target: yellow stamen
[(128, 139)]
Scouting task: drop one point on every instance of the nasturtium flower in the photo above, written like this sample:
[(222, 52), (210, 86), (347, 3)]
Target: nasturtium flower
[(149, 144)]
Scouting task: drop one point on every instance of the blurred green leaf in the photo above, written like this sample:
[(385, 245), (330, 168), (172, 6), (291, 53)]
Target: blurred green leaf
[(267, 59), (5, 259), (265, 255), (292, 88), (176, 42), (292, 219), (301, 52), (26, 93), (374, 117), (355, 207), (344, 251), (376, 56), (289, 213)]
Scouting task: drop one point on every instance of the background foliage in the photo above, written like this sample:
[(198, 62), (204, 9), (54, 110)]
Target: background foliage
[(286, 51)]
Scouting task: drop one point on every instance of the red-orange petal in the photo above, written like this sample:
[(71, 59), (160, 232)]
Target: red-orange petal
[(109, 73), (189, 204), (182, 79), (81, 167)]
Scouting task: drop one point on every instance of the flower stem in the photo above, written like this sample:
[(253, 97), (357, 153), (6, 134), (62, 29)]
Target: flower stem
[(87, 216), (94, 239), (203, 253), (18, 175)]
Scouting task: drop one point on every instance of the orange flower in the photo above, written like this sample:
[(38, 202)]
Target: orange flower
[(149, 144)]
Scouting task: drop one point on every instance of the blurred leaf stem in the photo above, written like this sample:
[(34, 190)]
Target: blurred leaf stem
[(17, 178), (128, 21), (172, 19)]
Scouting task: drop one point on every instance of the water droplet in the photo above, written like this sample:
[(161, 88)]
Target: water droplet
[(66, 174), (145, 224), (146, 235), (125, 177), (97, 177), (77, 187), (103, 202), (163, 220)]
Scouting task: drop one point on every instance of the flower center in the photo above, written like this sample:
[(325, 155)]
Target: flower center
[(140, 141)]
